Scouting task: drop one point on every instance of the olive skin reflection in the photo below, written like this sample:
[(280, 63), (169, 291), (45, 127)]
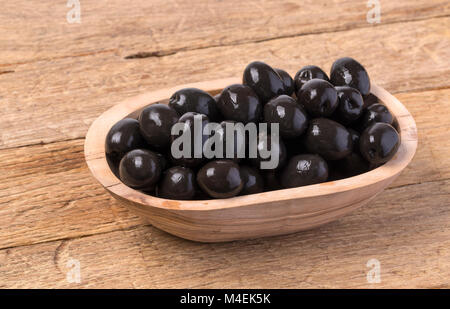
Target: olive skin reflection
[(195, 100), (220, 179), (240, 103), (379, 143), (349, 72), (289, 86), (350, 106), (329, 139), (264, 80), (290, 116), (188, 120), (355, 139), (253, 181), (140, 169), (376, 113), (319, 98), (307, 73), (178, 183), (156, 122), (303, 170)]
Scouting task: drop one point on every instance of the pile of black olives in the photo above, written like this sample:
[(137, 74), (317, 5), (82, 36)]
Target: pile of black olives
[(329, 128)]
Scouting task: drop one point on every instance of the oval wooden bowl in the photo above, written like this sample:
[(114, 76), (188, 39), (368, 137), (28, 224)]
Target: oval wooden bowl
[(258, 215)]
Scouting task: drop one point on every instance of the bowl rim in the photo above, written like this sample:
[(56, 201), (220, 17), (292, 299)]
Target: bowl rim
[(94, 150)]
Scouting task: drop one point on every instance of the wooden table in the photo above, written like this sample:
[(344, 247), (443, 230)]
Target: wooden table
[(56, 77)]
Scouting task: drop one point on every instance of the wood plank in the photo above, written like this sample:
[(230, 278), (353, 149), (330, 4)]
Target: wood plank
[(163, 27), (62, 106), (47, 192), (410, 239)]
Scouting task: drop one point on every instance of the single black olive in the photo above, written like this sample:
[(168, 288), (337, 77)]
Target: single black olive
[(140, 169), (355, 139), (264, 80), (352, 165), (350, 106), (287, 80), (271, 180), (123, 137), (290, 116), (195, 100), (240, 103), (253, 181), (264, 152), (196, 140), (376, 113), (349, 72), (307, 73), (319, 98), (220, 179), (303, 170), (328, 139), (178, 183), (156, 122), (370, 99), (379, 143)]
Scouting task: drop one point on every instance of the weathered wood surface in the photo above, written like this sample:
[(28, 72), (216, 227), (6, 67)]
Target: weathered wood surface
[(56, 78)]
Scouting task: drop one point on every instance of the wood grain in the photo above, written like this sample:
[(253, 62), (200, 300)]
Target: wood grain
[(63, 105), (163, 27), (402, 229)]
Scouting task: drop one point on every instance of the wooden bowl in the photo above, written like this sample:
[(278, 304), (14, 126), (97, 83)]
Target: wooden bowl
[(251, 216)]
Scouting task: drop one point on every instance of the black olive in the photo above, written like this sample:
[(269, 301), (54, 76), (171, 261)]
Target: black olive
[(264, 80), (123, 137), (303, 170), (289, 86), (355, 139), (349, 72), (379, 143), (328, 139), (376, 113), (178, 183), (319, 98), (195, 100), (350, 106), (264, 149), (290, 116), (253, 181), (307, 73), (156, 122), (220, 179), (196, 134), (352, 165), (271, 180), (370, 99), (240, 103), (140, 169)]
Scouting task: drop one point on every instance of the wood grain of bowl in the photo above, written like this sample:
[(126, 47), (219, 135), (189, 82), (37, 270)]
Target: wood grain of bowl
[(251, 216)]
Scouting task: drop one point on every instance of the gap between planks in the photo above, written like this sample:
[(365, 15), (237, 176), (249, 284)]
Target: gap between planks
[(170, 52)]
